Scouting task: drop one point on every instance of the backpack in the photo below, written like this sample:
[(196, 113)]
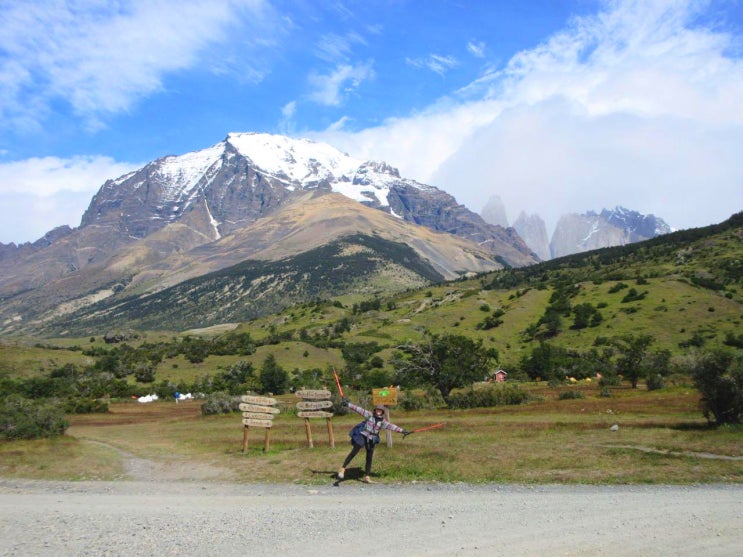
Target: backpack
[(357, 438)]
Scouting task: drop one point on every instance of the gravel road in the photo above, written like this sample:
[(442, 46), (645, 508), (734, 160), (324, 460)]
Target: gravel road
[(179, 518)]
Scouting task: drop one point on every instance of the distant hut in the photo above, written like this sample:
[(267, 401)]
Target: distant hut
[(500, 376)]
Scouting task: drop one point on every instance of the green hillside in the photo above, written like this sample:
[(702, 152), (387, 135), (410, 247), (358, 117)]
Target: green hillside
[(684, 290)]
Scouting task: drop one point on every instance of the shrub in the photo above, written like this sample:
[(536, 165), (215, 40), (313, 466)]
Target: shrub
[(497, 395), (411, 401), (567, 395), (655, 381), (610, 380), (617, 287), (21, 418), (220, 403), (430, 400), (719, 377), (85, 406)]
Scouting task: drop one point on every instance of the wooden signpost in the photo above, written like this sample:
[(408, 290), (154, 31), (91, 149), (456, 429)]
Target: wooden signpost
[(311, 406), (257, 411)]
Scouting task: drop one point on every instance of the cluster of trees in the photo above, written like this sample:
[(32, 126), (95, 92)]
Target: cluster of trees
[(445, 363)]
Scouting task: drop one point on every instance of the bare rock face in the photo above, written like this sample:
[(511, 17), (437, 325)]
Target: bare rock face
[(576, 233), (534, 232), (494, 212), (246, 177)]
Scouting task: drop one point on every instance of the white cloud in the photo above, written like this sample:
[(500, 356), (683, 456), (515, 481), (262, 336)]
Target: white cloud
[(434, 62), (288, 110), (102, 58), (339, 124), (639, 105), (330, 89), (42, 193), (337, 48), (476, 48)]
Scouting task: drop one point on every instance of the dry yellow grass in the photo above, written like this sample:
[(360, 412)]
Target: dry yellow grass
[(662, 438)]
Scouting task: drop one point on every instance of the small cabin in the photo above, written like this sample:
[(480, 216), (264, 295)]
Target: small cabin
[(500, 376)]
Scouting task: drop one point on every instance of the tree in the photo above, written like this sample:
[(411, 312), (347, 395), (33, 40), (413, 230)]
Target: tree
[(719, 377), (237, 379), (273, 377), (632, 362), (446, 362), (545, 361)]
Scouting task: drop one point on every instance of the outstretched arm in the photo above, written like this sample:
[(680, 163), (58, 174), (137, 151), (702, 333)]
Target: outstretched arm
[(392, 427), (359, 410)]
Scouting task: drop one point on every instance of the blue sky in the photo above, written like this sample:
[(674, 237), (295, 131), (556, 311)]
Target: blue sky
[(555, 106)]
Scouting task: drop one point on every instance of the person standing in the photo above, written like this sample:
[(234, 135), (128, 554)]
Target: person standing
[(366, 435)]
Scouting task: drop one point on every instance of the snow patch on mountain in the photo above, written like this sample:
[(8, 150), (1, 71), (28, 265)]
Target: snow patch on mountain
[(181, 174), (306, 163), (300, 160)]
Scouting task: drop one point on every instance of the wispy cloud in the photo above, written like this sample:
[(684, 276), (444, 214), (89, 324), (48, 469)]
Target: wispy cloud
[(476, 48), (434, 62), (102, 58), (338, 48), (330, 89)]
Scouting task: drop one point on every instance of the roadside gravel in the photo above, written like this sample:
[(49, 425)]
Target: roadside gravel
[(199, 518)]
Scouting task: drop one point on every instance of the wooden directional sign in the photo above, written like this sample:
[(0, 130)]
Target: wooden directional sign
[(256, 408), (314, 395), (257, 416), (262, 400), (314, 404), (257, 423), (315, 414)]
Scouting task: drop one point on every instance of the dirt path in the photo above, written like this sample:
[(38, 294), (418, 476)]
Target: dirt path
[(176, 518), (176, 469)]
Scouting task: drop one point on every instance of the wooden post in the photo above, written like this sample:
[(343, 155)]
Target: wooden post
[(308, 429), (387, 431), (267, 443), (331, 438), (245, 438)]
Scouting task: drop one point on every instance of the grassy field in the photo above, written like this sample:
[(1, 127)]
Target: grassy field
[(662, 438)]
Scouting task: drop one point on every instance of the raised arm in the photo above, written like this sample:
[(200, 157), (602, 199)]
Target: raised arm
[(359, 410)]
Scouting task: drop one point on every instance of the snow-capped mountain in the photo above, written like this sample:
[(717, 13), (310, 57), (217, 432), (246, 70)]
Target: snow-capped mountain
[(251, 195), (229, 185), (576, 233)]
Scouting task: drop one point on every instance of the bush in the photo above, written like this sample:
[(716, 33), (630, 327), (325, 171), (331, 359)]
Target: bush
[(719, 377), (567, 395), (655, 381), (220, 403), (85, 406), (610, 380), (430, 400), (21, 418), (497, 395)]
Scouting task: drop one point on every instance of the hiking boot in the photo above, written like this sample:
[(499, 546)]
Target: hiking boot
[(341, 473)]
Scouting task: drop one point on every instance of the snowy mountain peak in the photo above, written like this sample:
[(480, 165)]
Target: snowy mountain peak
[(180, 175), (305, 163), (300, 160)]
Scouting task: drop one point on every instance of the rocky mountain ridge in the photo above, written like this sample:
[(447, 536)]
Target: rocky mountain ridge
[(577, 233), (182, 216)]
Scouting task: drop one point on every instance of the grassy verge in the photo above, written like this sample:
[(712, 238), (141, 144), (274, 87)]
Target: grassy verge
[(662, 438)]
